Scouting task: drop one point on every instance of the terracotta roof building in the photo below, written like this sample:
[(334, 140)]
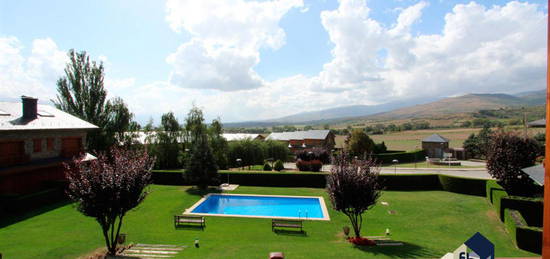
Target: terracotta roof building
[(35, 140), (299, 140)]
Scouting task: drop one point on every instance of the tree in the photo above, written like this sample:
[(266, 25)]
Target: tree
[(359, 144), (168, 142), (200, 164), (108, 187), (81, 93), (353, 187), (478, 145), (218, 143), (509, 153)]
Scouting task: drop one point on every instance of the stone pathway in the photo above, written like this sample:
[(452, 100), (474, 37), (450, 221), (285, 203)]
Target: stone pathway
[(153, 251)]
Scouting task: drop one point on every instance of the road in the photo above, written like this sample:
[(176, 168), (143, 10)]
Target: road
[(479, 173)]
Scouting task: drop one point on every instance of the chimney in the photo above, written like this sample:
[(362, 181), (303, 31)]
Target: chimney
[(29, 107)]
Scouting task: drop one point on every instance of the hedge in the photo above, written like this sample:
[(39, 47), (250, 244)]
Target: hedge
[(409, 182), (273, 179), (531, 209), (402, 157), (526, 237), (495, 193), (469, 186), (318, 180)]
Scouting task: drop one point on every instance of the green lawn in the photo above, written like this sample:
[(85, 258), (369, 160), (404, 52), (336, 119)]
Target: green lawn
[(430, 223)]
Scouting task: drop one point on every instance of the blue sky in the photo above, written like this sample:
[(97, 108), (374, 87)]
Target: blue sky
[(258, 60)]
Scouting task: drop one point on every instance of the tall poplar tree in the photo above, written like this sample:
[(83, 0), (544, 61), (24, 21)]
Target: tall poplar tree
[(81, 92)]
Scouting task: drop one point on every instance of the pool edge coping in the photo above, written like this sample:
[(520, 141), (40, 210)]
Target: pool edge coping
[(324, 210)]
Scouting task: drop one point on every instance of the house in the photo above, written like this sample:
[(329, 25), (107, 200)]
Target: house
[(242, 136), (300, 140), (35, 140), (537, 124), (435, 146)]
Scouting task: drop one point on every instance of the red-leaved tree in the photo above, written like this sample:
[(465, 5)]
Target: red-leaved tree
[(353, 187), (507, 154), (108, 187)]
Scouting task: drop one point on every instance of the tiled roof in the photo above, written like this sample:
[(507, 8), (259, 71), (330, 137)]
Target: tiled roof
[(435, 138), (299, 135), (48, 118)]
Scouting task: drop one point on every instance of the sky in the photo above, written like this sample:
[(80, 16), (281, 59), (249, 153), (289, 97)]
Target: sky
[(253, 60)]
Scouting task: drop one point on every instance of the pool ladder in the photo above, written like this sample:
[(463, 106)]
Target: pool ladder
[(300, 214)]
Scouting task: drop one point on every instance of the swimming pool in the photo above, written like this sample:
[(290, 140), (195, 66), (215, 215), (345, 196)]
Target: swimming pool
[(261, 206)]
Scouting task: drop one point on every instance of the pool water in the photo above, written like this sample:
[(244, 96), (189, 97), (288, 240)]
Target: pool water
[(262, 206)]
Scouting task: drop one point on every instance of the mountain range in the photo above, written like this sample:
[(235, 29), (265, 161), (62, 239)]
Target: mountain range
[(413, 108)]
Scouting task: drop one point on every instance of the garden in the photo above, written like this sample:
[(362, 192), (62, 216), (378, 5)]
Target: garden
[(429, 223)]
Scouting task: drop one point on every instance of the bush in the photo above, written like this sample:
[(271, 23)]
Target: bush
[(316, 153), (279, 166), (509, 153), (267, 167), (311, 166), (315, 165)]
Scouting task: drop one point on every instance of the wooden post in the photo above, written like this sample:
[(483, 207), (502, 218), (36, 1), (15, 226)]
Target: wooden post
[(546, 211)]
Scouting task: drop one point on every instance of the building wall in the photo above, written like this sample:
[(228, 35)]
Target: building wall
[(32, 138), (37, 165)]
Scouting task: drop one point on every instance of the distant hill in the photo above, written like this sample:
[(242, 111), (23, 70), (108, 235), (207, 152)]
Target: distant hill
[(461, 104), (408, 109)]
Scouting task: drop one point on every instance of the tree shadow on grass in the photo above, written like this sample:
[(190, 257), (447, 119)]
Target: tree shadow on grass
[(407, 250), (201, 192), (12, 218), (190, 227), (290, 232)]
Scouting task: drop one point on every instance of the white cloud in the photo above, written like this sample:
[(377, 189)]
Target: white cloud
[(496, 49), (34, 75), (226, 39)]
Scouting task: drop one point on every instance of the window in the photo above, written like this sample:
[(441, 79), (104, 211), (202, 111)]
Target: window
[(49, 144), (37, 145)]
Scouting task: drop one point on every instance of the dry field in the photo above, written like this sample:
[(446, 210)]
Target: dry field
[(410, 140)]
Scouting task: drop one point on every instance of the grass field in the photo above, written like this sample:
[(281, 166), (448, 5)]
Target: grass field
[(430, 223), (411, 139)]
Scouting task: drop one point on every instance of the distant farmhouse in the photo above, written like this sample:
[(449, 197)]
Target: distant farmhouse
[(34, 142), (242, 136), (300, 140), (145, 138), (537, 124), (436, 146)]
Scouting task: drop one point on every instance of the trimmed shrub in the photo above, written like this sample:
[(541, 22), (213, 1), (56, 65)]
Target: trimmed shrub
[(463, 185), (402, 157), (279, 166), (316, 153), (407, 182), (311, 166), (531, 209), (526, 237), (267, 167), (315, 165), (277, 179)]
